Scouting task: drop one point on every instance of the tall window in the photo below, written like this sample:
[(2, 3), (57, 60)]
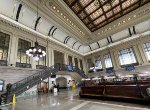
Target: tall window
[(108, 62), (98, 63), (81, 65), (76, 62), (42, 61), (147, 49), (23, 45), (1, 85), (70, 60), (4, 45), (126, 56)]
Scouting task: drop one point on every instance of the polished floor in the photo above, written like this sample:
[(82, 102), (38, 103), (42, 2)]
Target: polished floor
[(69, 100)]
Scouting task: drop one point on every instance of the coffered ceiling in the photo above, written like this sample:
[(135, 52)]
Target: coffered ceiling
[(97, 13)]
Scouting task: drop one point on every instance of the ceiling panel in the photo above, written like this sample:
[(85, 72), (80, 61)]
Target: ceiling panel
[(98, 13)]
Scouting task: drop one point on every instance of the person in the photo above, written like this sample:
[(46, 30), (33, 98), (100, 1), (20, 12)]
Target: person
[(8, 88), (58, 87), (55, 88)]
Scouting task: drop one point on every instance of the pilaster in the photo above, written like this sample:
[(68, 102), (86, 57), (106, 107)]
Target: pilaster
[(103, 63), (52, 57), (13, 48), (114, 62), (66, 58), (79, 63), (143, 54), (116, 58), (33, 63), (138, 54)]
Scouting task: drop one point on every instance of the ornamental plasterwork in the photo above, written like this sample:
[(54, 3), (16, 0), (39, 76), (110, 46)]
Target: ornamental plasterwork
[(31, 36), (124, 22)]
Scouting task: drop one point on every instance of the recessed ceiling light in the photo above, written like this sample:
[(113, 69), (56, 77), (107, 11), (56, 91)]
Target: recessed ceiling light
[(134, 16), (64, 16), (129, 18), (124, 21), (61, 14), (70, 21), (67, 19), (54, 7), (58, 11)]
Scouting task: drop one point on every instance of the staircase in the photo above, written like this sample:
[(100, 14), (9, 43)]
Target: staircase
[(30, 81)]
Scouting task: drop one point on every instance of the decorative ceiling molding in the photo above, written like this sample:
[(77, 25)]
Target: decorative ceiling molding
[(98, 13), (27, 29), (114, 26)]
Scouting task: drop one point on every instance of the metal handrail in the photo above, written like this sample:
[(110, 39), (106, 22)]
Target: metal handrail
[(30, 81)]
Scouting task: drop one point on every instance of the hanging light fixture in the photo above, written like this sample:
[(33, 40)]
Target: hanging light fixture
[(36, 52)]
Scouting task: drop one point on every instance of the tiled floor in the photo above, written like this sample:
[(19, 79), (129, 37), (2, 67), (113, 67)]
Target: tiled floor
[(69, 101)]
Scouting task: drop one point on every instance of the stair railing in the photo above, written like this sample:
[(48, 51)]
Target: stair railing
[(26, 83), (30, 81)]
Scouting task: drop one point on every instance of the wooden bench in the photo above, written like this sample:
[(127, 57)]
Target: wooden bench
[(120, 90)]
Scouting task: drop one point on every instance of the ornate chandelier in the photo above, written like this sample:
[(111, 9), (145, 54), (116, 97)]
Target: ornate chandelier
[(36, 52)]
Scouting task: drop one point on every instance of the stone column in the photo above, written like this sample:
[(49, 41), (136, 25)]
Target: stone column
[(85, 66), (114, 62), (47, 56), (13, 49), (143, 54), (66, 58), (103, 63), (73, 61), (138, 54), (52, 57), (79, 63), (33, 63), (116, 57)]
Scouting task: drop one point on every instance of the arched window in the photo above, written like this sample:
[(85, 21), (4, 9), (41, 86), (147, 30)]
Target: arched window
[(4, 46), (108, 62), (1, 85), (127, 56)]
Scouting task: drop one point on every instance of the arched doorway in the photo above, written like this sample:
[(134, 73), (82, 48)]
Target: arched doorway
[(62, 82)]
